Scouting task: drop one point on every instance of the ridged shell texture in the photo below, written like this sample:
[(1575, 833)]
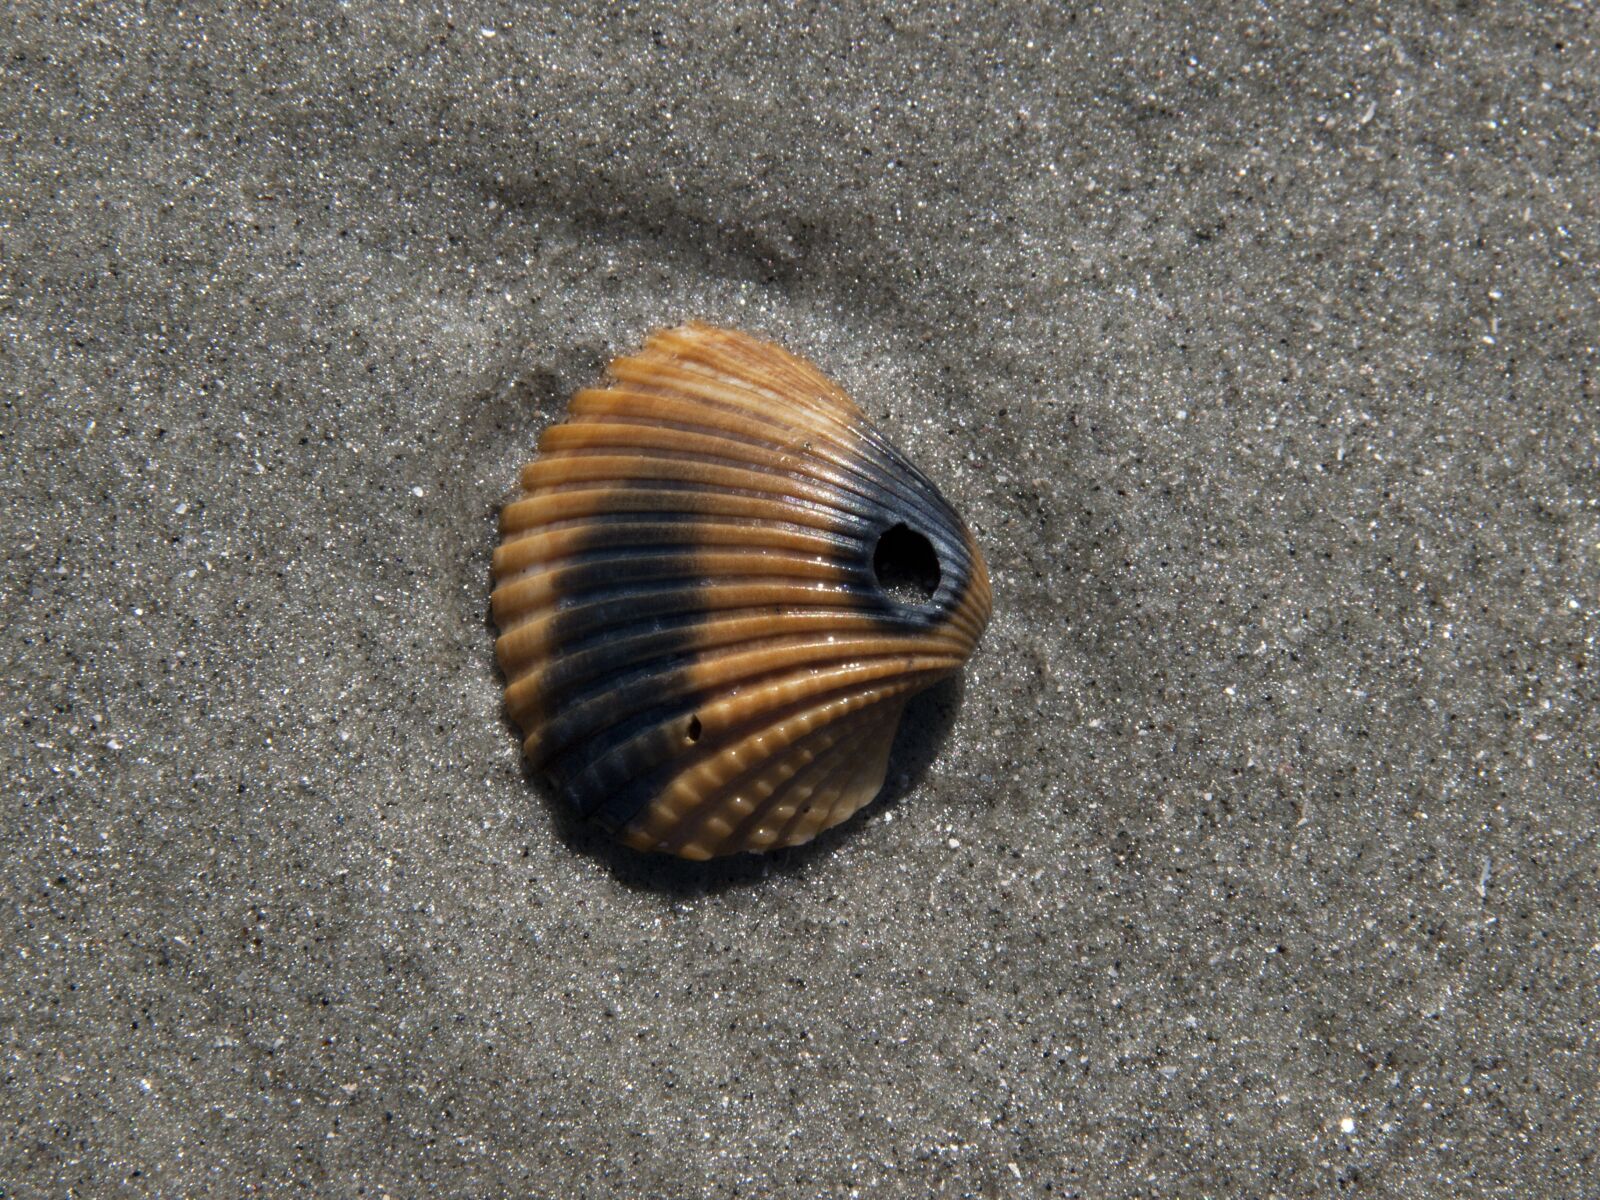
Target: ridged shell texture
[(700, 639)]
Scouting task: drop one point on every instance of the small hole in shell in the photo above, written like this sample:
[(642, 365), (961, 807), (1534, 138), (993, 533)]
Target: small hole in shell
[(694, 729), (906, 566)]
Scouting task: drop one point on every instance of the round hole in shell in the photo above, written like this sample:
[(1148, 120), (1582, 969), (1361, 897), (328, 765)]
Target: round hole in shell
[(906, 566)]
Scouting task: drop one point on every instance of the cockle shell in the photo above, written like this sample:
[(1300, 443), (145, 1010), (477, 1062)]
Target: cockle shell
[(698, 629)]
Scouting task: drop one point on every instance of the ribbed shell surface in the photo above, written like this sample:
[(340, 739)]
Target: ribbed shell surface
[(698, 645)]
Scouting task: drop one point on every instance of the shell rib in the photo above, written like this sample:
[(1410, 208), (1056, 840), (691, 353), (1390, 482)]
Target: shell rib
[(698, 644)]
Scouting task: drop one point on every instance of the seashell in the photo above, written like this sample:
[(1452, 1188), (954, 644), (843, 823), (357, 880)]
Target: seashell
[(716, 592)]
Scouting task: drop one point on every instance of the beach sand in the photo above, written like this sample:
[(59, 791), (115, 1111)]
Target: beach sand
[(1256, 853)]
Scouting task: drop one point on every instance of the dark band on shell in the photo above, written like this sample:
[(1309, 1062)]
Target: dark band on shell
[(705, 642)]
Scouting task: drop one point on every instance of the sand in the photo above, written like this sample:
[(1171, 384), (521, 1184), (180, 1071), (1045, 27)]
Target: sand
[(1256, 855)]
